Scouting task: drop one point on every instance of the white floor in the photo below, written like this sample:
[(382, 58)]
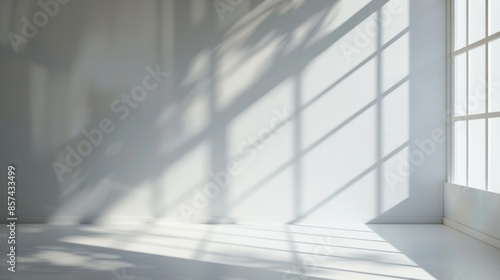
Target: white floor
[(249, 252)]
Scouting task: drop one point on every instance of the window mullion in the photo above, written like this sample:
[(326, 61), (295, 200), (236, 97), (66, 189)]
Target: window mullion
[(467, 94), (486, 91)]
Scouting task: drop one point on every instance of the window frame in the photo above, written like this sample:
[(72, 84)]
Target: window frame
[(450, 92)]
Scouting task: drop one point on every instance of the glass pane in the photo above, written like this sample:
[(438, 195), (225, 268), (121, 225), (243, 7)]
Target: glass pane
[(477, 157), (477, 84), (494, 17), (459, 153), (494, 155), (460, 85), (477, 20), (460, 24), (494, 76)]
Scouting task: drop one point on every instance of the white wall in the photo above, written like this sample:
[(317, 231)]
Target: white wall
[(361, 102), (474, 212)]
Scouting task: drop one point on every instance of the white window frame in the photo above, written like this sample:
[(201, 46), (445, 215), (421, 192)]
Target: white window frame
[(451, 118)]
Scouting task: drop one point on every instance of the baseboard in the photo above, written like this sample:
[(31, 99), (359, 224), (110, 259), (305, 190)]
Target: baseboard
[(490, 240), (116, 220), (407, 220)]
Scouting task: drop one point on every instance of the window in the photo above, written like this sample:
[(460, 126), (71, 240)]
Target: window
[(475, 94)]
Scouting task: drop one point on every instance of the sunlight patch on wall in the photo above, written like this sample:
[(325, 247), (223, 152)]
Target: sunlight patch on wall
[(233, 81), (336, 105), (270, 188), (396, 172), (354, 204), (340, 159), (176, 183), (396, 62), (395, 119), (261, 140), (334, 17), (395, 18), (258, 116)]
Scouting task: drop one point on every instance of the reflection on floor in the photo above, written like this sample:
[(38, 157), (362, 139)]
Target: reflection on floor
[(248, 252)]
